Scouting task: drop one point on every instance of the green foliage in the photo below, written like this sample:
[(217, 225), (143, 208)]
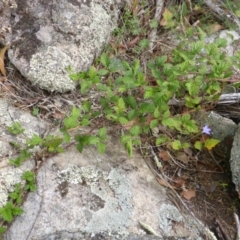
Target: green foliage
[(193, 76), (16, 195), (12, 208), (98, 140), (29, 177), (24, 155), (72, 120), (9, 211), (35, 111), (16, 128)]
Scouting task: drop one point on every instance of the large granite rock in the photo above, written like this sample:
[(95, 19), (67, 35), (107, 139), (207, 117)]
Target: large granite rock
[(47, 37), (235, 160), (88, 195)]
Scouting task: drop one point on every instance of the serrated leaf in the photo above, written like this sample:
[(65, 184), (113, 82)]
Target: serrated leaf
[(162, 139), (102, 132), (35, 140), (135, 130), (176, 145), (93, 140), (167, 15), (102, 72), (123, 120), (6, 212), (211, 143), (104, 59), (198, 145), (121, 103), (101, 147)]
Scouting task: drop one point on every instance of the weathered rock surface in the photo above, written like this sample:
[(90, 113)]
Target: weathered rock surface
[(9, 176), (88, 195), (235, 163), (47, 37)]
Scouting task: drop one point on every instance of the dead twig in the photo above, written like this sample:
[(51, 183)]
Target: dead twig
[(157, 16)]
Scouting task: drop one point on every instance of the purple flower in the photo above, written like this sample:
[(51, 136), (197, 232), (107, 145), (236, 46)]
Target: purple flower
[(207, 130)]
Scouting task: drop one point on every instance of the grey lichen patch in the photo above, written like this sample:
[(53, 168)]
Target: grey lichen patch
[(8, 180), (111, 189), (167, 215), (48, 70)]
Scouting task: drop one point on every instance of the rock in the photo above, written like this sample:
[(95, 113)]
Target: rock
[(221, 127), (234, 161), (9, 175), (93, 196), (47, 37)]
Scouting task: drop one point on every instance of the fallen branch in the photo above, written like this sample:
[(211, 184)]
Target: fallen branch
[(223, 99), (215, 7), (157, 16)]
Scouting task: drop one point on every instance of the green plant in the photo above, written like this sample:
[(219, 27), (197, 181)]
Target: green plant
[(12, 208), (16, 128), (138, 102)]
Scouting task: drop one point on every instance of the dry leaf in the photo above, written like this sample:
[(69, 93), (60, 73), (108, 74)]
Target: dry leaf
[(188, 194), (2, 54), (133, 42), (167, 16), (215, 28), (188, 151), (181, 156), (180, 182), (131, 123), (165, 184), (164, 155)]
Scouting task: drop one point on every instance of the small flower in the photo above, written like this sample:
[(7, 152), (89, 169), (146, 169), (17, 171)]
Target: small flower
[(207, 130)]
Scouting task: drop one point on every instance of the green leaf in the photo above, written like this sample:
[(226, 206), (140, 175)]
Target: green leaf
[(16, 128), (221, 42), (80, 146), (146, 108), (198, 145), (162, 139), (127, 141), (101, 147), (172, 123), (35, 111), (156, 113), (135, 130), (28, 176), (154, 123), (17, 211), (6, 212), (131, 101), (84, 87), (85, 122), (86, 105), (132, 114), (102, 72), (34, 141), (105, 60), (2, 230), (176, 145), (123, 120), (166, 114), (144, 43), (102, 132), (211, 143), (121, 104), (72, 120), (66, 136), (154, 23)]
